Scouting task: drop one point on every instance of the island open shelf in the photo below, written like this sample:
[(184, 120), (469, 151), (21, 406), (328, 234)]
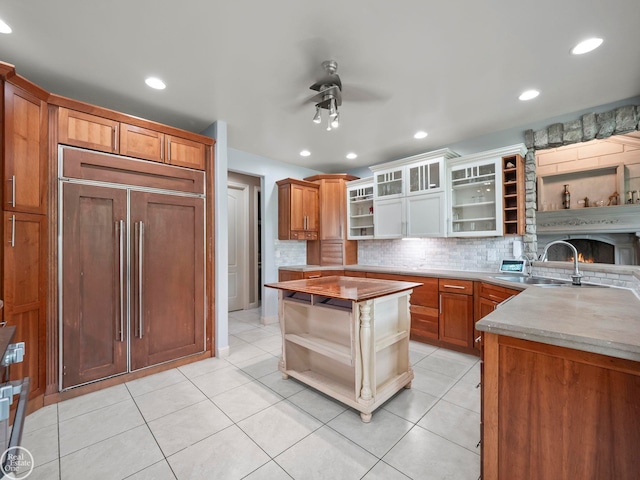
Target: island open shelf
[(347, 337)]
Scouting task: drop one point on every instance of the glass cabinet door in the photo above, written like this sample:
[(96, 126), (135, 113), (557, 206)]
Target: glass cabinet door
[(474, 210), (389, 183), (425, 177)]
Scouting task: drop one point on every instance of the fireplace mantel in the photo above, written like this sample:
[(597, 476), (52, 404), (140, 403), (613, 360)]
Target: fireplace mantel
[(614, 219)]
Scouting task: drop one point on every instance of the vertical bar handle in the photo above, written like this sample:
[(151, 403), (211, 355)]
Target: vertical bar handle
[(13, 191), (162, 148), (121, 248), (12, 242), (169, 150), (140, 265)]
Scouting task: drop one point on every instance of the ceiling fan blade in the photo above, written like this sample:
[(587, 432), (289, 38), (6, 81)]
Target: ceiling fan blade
[(360, 94), (332, 79)]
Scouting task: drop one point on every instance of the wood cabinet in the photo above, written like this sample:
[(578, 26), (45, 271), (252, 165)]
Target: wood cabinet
[(24, 292), (133, 272), (24, 270), (513, 190), (555, 412), (88, 131), (107, 135), (297, 210), (456, 312), (25, 151), (332, 246), (487, 297)]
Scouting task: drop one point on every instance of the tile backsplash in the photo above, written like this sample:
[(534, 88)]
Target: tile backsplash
[(290, 252), (476, 254)]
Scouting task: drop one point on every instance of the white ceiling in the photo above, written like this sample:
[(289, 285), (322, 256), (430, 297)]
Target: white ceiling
[(453, 68)]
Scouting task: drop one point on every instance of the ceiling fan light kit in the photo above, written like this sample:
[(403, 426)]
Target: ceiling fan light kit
[(329, 96)]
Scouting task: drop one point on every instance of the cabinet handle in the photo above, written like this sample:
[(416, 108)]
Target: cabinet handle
[(477, 340), (440, 304), (140, 264), (13, 191), (115, 138), (162, 149), (168, 150), (459, 287), (12, 242), (121, 227)]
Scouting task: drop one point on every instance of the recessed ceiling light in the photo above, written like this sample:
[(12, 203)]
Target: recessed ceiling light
[(420, 134), (4, 28), (529, 94), (156, 83), (586, 46), (352, 156), (305, 153)]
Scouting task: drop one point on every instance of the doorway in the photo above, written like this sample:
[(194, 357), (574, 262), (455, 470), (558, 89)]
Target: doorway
[(244, 250)]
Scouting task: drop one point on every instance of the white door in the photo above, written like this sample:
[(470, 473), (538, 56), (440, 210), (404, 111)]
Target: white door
[(238, 220)]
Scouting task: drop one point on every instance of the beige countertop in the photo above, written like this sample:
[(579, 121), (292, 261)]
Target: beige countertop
[(598, 320)]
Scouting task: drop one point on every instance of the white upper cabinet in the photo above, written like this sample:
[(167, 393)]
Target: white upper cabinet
[(360, 209), (475, 193), (409, 196)]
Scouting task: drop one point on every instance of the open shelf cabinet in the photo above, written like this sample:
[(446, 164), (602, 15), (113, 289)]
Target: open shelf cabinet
[(513, 195)]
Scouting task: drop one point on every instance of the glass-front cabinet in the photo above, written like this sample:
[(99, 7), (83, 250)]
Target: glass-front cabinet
[(409, 196), (475, 198), (360, 209)]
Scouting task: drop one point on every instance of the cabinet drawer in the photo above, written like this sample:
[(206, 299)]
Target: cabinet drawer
[(462, 287), (302, 235), (495, 292), (424, 321)]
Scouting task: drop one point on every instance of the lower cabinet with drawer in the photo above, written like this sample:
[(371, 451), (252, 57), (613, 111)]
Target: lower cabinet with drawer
[(456, 313)]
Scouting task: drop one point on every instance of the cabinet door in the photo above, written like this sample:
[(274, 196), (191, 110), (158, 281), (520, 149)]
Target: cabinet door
[(88, 131), (94, 298), (456, 319), (25, 151), (389, 218), (141, 142), (185, 153), (310, 203), (167, 264), (298, 220), (25, 250), (425, 215), (332, 210)]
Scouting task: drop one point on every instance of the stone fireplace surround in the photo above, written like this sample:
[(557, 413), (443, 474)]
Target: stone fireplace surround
[(588, 127)]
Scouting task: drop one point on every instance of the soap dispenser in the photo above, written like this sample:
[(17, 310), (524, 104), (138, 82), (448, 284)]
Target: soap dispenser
[(566, 197)]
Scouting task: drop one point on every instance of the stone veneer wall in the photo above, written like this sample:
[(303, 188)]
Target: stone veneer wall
[(588, 127), (476, 254)]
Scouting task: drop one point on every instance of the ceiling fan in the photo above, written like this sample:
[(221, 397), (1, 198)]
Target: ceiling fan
[(329, 96)]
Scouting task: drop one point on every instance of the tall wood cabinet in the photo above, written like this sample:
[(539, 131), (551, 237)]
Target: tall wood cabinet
[(133, 267), (332, 246), (24, 163)]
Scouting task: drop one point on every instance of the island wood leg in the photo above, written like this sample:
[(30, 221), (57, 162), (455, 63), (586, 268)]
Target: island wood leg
[(365, 347), (365, 417)]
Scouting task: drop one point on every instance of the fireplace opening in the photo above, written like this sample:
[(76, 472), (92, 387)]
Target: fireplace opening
[(589, 251)]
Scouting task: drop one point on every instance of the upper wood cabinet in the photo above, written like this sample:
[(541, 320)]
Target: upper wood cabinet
[(332, 247), (88, 131), (25, 151), (184, 153), (98, 133), (297, 210)]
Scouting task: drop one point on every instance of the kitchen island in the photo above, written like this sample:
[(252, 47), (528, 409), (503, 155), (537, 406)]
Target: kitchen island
[(561, 385), (347, 337)]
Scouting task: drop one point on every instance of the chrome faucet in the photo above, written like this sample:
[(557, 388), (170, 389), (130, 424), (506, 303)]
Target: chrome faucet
[(575, 278)]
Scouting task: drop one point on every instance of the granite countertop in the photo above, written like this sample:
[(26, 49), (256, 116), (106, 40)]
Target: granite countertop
[(345, 288), (598, 320)]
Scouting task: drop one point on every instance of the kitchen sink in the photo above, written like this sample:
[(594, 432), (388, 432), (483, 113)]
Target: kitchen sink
[(529, 280), (543, 282)]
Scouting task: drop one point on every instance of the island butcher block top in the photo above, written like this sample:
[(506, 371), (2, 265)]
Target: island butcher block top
[(345, 288)]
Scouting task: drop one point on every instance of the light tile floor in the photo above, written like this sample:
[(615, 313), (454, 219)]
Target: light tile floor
[(237, 418)]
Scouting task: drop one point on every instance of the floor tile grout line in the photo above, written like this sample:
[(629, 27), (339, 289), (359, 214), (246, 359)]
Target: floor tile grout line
[(448, 440)]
